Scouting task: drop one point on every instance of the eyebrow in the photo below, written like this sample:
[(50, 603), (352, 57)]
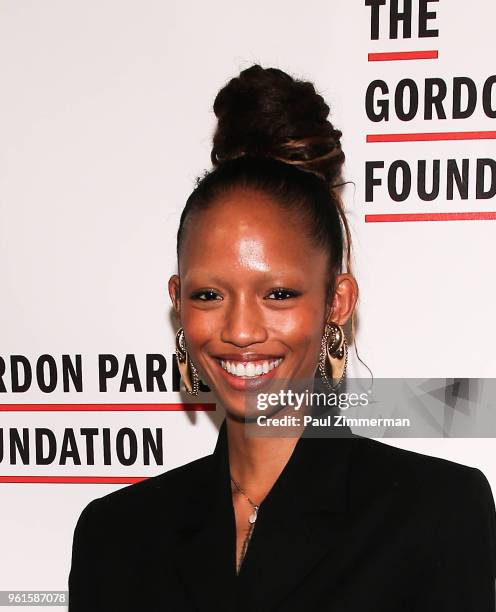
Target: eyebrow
[(275, 277)]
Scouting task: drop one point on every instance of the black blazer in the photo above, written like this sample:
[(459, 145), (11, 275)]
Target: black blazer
[(352, 524)]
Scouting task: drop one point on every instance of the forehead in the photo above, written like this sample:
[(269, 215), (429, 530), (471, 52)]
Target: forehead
[(248, 227)]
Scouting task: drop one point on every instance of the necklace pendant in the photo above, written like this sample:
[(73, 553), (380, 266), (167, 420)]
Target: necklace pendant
[(253, 516)]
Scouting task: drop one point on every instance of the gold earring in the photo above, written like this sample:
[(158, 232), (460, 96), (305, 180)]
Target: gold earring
[(334, 352), (187, 368)]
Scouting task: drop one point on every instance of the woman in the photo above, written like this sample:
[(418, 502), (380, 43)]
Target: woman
[(290, 522)]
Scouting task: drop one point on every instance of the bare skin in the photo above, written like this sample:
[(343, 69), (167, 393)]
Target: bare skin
[(251, 282)]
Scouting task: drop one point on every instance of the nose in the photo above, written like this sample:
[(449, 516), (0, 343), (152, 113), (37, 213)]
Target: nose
[(244, 323)]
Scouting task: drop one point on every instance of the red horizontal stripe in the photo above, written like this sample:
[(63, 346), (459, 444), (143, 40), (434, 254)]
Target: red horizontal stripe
[(181, 406), (402, 55), (453, 216), (423, 136), (73, 479)]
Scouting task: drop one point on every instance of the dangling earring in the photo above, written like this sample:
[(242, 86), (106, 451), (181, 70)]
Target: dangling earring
[(187, 368), (333, 351)]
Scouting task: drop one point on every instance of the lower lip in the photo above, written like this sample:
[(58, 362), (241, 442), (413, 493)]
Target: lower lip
[(247, 383)]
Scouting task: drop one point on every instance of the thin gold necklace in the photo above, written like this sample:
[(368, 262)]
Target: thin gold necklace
[(253, 516), (251, 520)]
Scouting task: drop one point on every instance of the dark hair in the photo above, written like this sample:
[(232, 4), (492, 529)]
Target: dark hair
[(273, 135)]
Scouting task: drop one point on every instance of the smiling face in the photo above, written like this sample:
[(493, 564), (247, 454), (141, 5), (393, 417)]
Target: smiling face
[(251, 296)]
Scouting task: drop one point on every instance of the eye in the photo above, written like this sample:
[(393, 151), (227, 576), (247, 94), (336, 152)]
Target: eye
[(281, 293), (206, 295)]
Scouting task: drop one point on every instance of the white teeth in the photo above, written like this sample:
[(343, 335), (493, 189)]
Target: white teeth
[(250, 368), (239, 369)]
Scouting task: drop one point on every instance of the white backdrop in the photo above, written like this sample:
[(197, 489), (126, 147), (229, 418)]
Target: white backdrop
[(105, 122)]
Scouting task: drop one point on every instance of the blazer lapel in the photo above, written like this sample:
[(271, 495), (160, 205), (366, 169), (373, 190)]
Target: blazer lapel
[(301, 520), (205, 554)]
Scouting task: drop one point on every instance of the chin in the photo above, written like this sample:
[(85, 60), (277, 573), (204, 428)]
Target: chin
[(238, 408), (240, 414)]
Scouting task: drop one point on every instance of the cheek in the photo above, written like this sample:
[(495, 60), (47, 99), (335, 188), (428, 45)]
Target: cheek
[(200, 326), (298, 327)]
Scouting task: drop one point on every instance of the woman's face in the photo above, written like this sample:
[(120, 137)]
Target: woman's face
[(251, 297)]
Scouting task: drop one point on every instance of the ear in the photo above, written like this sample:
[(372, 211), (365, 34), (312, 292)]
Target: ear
[(343, 302), (175, 294)]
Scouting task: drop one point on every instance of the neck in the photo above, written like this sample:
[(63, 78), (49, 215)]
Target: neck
[(256, 463)]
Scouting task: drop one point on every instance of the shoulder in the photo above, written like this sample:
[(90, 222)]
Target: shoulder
[(121, 539), (393, 459), (414, 475), (446, 508), (159, 494)]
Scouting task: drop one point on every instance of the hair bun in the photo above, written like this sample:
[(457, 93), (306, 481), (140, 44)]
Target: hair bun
[(265, 112)]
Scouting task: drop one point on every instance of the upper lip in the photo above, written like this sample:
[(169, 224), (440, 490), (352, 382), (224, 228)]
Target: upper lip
[(246, 356)]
